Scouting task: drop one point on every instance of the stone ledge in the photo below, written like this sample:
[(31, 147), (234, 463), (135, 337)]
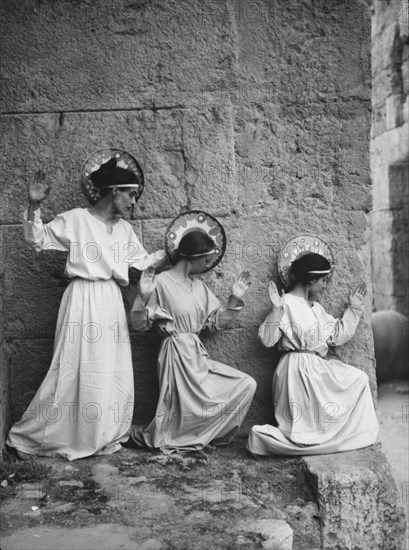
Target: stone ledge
[(358, 500)]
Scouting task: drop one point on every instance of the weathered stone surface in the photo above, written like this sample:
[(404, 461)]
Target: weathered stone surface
[(103, 537), (154, 233), (33, 284), (358, 500), (287, 32), (113, 55), (176, 149), (256, 112), (389, 32), (29, 361), (276, 534), (389, 156)]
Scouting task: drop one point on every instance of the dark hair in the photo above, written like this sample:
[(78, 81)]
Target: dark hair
[(301, 268), (111, 174), (194, 244)]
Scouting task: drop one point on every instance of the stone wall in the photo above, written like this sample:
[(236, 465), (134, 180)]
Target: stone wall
[(257, 111), (390, 155)]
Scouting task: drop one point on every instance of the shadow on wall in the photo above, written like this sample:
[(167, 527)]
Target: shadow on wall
[(390, 332), (399, 206)]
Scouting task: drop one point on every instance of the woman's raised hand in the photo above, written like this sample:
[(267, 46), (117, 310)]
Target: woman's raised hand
[(147, 284), (357, 298), (276, 297), (241, 285), (38, 189)]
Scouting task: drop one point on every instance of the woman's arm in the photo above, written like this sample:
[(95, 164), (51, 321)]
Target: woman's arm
[(51, 235), (269, 332), (140, 259), (147, 308), (139, 311), (343, 329), (226, 314), (38, 191)]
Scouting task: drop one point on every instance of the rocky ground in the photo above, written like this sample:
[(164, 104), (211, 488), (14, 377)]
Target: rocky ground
[(134, 499), (219, 500)]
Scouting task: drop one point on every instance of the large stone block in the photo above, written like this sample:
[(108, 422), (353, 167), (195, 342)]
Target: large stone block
[(295, 154), (29, 361), (112, 55), (289, 31), (177, 150), (33, 284), (358, 500)]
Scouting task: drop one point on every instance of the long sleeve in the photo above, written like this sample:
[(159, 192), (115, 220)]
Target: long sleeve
[(138, 257), (143, 317), (341, 330), (50, 236), (269, 332), (223, 317), (156, 258)]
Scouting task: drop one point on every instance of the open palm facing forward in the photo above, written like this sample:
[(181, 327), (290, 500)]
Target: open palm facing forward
[(38, 189), (241, 285), (147, 284), (357, 298), (276, 296)]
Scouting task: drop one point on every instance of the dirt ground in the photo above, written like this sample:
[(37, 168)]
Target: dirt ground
[(137, 500), (217, 500)]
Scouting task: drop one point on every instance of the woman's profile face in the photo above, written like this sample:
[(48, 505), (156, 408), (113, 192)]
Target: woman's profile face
[(124, 200), (319, 285), (201, 264)]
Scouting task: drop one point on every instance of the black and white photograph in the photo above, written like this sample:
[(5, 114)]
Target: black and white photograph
[(204, 268)]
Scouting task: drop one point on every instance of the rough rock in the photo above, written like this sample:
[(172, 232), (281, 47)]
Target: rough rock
[(275, 534), (358, 500)]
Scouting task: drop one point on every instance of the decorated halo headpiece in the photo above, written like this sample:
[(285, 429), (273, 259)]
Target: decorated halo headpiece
[(195, 220), (296, 247), (124, 161)]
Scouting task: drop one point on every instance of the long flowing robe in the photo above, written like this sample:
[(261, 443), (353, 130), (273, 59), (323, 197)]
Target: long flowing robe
[(321, 406), (201, 400), (85, 403)]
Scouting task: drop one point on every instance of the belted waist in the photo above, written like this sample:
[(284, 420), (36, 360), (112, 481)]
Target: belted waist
[(304, 351), (174, 333)]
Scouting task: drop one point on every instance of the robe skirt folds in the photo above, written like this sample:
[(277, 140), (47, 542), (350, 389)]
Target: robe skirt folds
[(84, 405), (201, 400), (321, 405)]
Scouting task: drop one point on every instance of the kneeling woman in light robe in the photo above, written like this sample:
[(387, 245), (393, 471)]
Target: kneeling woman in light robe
[(321, 406), (201, 400)]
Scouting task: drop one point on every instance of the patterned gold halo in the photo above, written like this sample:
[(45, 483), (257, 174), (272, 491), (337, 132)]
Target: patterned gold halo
[(94, 161), (195, 220), (297, 246)]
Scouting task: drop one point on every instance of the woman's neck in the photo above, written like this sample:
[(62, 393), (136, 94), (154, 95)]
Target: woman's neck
[(104, 211), (301, 291), (182, 270)]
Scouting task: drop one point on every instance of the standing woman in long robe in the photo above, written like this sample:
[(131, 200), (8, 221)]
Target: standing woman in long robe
[(201, 401), (321, 405), (84, 405)]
